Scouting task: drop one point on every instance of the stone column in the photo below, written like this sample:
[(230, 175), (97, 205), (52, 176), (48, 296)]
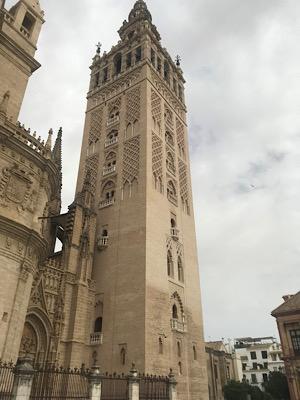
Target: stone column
[(23, 379), (172, 386), (134, 384), (95, 384)]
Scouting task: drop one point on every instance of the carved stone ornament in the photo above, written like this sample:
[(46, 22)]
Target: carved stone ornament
[(16, 187)]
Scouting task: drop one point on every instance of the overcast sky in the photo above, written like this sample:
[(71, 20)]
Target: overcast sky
[(242, 65)]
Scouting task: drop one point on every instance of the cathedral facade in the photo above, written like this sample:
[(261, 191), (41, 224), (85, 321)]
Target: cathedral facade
[(125, 287)]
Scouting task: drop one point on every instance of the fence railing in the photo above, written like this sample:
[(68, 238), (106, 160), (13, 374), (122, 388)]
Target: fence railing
[(53, 383), (6, 380), (114, 387), (50, 383)]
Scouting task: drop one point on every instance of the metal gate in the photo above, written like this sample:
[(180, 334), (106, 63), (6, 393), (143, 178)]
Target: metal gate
[(114, 387), (154, 388), (6, 380), (65, 384)]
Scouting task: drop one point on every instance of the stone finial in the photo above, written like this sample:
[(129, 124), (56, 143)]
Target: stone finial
[(48, 144), (4, 103)]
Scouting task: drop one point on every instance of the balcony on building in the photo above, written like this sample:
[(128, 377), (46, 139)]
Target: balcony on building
[(109, 170), (96, 338), (113, 121), (106, 203), (110, 142), (102, 242), (178, 326), (175, 233)]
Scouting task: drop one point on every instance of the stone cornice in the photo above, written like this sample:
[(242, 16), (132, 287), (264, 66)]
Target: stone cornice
[(21, 232), (9, 138), (18, 52)]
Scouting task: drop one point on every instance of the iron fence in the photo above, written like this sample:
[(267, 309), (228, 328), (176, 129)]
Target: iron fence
[(114, 387), (6, 380), (154, 387), (60, 383)]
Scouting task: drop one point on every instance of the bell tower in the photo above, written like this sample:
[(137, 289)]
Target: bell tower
[(19, 32), (147, 308)]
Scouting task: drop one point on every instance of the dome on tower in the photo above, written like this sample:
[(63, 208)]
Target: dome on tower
[(139, 10)]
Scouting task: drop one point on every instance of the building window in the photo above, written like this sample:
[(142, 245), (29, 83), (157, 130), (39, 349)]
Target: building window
[(244, 366), (195, 352), (160, 346), (253, 378), (153, 57), (254, 365), (264, 354), (170, 264), (180, 270), (266, 365), (253, 355), (123, 356), (118, 63), (179, 368), (178, 349), (159, 65), (166, 71), (138, 54), (174, 312), (216, 371), (28, 22), (129, 60), (98, 325), (265, 377), (105, 74), (295, 336)]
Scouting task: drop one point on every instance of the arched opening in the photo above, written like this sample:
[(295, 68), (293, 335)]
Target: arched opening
[(180, 368), (98, 325), (113, 134), (174, 312), (160, 346), (118, 63), (194, 352), (180, 270), (170, 264), (108, 191), (128, 132), (135, 128), (178, 349), (123, 356), (173, 223)]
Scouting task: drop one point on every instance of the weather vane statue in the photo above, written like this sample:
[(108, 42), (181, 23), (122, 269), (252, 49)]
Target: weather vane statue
[(99, 45), (178, 61)]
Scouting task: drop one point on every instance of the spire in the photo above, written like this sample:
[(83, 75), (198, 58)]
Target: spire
[(4, 103), (140, 11), (48, 144), (57, 150)]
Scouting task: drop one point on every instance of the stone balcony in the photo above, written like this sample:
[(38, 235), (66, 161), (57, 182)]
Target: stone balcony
[(103, 242), (174, 233), (109, 170), (111, 142), (106, 203), (96, 338), (113, 121), (178, 326)]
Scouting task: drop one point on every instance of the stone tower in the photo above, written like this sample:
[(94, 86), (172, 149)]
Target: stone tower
[(147, 305), (30, 180)]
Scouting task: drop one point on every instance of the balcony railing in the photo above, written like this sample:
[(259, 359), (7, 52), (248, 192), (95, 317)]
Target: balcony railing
[(25, 32), (96, 338), (175, 233), (113, 121), (102, 242), (109, 170), (110, 142), (106, 203), (178, 325)]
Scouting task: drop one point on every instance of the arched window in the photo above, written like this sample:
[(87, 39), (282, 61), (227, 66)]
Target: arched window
[(180, 270), (167, 71), (98, 325), (160, 346), (171, 191), (179, 368), (114, 114), (174, 312), (179, 349), (173, 223), (170, 264), (108, 191), (123, 356), (195, 352), (170, 163), (118, 63)]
